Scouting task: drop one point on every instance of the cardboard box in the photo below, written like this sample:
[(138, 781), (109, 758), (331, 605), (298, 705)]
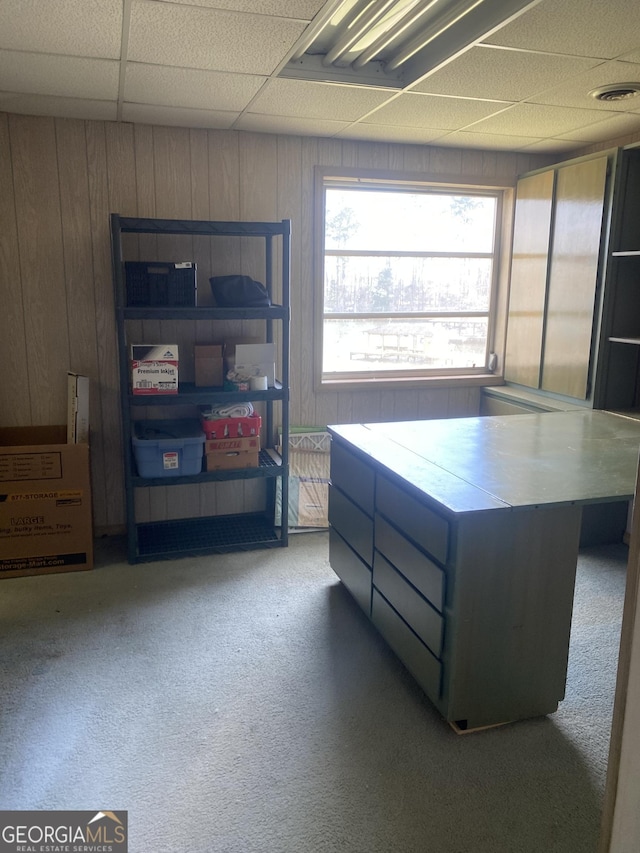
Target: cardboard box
[(309, 471), (257, 360), (251, 443), (312, 508), (209, 365), (229, 351), (308, 502), (225, 459), (218, 428), (154, 368), (77, 409), (45, 502)]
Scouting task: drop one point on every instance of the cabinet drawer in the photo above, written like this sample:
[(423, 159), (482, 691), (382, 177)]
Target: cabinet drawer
[(355, 527), (427, 623), (354, 477), (426, 576), (354, 574), (425, 668), (427, 528)]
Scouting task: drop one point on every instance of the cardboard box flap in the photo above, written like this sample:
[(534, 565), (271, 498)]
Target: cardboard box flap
[(77, 408)]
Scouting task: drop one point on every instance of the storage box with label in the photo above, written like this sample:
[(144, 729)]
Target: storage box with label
[(224, 445), (45, 502), (168, 448), (209, 369), (154, 368)]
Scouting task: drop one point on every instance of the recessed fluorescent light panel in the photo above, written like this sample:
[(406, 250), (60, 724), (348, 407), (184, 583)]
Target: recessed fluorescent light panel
[(393, 43)]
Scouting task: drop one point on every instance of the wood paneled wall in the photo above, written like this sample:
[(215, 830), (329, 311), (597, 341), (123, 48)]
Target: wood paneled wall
[(59, 181)]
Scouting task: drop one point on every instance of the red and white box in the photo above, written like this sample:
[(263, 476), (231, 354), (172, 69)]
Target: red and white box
[(154, 368), (231, 427), (237, 444)]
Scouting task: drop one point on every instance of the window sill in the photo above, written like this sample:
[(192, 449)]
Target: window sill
[(395, 383)]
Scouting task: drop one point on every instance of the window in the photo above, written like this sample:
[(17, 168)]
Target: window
[(408, 279)]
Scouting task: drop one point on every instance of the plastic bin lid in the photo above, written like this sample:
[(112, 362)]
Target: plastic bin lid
[(185, 429)]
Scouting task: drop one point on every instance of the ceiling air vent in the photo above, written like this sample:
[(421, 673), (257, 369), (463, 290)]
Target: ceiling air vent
[(616, 92)]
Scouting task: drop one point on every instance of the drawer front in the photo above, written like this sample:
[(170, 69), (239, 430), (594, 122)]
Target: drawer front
[(425, 668), (354, 574), (425, 575), (427, 623), (354, 477), (427, 528), (355, 527)]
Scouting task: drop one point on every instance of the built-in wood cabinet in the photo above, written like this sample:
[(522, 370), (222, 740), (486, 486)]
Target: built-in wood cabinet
[(579, 214), (560, 223), (573, 333), (529, 271)]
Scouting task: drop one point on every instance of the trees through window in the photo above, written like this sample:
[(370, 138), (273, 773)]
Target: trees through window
[(408, 279)]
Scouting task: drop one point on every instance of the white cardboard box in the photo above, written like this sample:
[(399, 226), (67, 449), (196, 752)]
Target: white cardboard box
[(154, 368), (257, 360)]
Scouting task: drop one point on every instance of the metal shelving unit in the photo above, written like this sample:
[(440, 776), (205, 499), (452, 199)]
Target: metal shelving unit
[(620, 362), (244, 531)]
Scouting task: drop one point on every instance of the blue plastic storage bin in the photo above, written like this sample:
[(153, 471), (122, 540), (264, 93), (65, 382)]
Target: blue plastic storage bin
[(171, 448)]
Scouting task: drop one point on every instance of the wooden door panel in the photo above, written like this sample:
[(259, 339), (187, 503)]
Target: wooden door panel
[(532, 231), (573, 273)]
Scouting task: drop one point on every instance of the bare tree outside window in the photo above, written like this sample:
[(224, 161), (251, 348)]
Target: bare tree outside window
[(408, 279)]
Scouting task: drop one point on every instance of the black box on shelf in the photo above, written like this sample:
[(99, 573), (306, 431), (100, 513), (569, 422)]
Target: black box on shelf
[(156, 283)]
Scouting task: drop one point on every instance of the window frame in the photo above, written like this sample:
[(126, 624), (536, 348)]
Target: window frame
[(328, 177)]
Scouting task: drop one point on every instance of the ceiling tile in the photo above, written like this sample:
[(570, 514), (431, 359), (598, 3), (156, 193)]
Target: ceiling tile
[(174, 116), (303, 99), (552, 146), (209, 63), (501, 75), (610, 128), (44, 74), (492, 141), (575, 27), (46, 105), (186, 87), (433, 111), (295, 126), (89, 28), (575, 92), (385, 133), (537, 120), (195, 37), (303, 10)]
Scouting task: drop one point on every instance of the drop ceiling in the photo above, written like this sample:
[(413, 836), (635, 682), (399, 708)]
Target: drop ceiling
[(523, 85)]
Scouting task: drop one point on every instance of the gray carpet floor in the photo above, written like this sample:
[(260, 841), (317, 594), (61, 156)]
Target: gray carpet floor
[(243, 704)]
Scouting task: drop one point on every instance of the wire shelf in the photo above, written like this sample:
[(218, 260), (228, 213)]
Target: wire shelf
[(217, 534)]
